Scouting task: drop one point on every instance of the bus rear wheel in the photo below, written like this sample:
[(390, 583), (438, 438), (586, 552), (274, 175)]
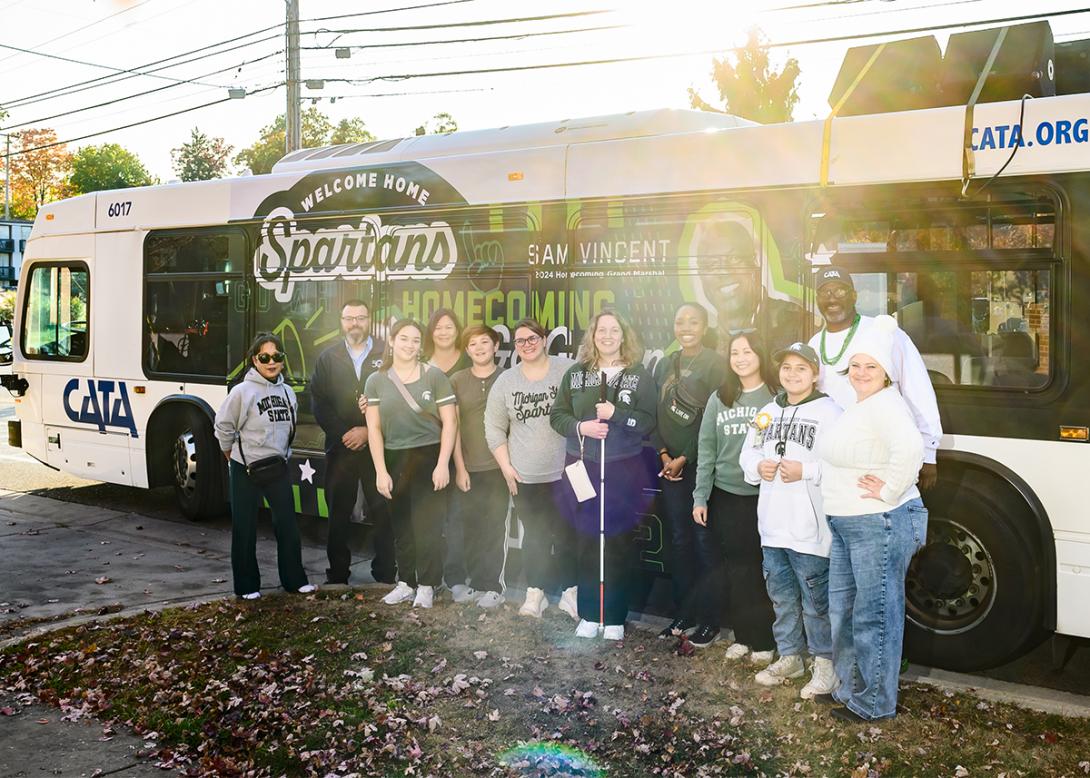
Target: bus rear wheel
[(974, 594), (198, 468)]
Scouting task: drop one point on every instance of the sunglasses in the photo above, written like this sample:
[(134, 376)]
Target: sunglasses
[(837, 292), (530, 341), (265, 358)]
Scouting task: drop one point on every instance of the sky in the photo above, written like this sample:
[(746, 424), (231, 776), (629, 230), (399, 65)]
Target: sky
[(105, 36)]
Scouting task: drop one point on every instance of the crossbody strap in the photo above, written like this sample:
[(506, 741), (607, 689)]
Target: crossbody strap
[(395, 379)]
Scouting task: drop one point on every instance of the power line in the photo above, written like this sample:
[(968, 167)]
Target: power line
[(115, 100), (477, 23), (82, 28), (676, 55), (519, 36), (387, 10), (143, 121)]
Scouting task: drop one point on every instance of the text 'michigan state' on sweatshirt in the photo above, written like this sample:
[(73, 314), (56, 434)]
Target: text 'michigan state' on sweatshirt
[(256, 414), (722, 433)]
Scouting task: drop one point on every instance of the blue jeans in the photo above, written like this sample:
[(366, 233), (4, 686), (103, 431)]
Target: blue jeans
[(867, 566), (798, 585)]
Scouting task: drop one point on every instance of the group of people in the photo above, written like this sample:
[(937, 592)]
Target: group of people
[(788, 481)]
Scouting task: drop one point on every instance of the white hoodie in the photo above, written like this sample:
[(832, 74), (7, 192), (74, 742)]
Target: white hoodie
[(790, 515)]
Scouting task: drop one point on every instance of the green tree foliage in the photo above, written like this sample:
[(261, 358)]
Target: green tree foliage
[(108, 166), (201, 158), (7, 306), (750, 88), (351, 131), (440, 124), (269, 148)]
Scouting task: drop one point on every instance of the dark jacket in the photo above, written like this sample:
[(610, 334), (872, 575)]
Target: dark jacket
[(335, 391)]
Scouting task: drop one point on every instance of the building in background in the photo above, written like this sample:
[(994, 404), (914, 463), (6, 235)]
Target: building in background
[(14, 234)]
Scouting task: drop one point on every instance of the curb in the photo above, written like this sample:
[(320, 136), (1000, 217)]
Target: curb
[(1033, 697)]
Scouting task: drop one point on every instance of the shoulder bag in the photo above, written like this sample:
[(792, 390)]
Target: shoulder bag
[(268, 470)]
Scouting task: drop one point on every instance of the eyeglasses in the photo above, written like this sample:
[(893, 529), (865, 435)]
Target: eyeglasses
[(833, 292), (356, 319), (533, 340), (265, 357)]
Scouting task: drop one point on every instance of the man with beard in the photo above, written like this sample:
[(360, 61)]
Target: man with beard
[(336, 389), (836, 299)]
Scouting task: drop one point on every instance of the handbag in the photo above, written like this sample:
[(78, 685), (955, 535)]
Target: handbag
[(678, 402), (268, 470)]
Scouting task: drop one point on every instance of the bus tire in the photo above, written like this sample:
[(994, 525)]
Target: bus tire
[(975, 593), (198, 467)]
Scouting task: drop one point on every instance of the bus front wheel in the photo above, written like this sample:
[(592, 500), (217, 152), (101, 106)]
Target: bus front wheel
[(198, 468), (974, 593)]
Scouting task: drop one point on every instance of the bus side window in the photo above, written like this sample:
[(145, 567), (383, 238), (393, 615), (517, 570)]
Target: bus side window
[(55, 318)]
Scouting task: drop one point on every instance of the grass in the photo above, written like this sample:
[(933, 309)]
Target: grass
[(339, 683)]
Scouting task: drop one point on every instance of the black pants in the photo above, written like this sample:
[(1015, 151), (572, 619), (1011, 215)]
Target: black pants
[(345, 470), (417, 512), (690, 545), (735, 578), (624, 502), (548, 537), (245, 503), (476, 532)]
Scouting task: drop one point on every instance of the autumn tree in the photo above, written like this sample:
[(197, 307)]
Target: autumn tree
[(108, 166), (440, 124), (269, 148), (749, 87), (39, 171), (201, 158), (351, 131)]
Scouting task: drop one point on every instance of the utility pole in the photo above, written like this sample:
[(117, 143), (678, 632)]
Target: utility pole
[(7, 177), (293, 135)]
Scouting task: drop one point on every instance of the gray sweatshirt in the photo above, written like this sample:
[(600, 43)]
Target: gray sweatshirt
[(517, 413), (259, 413)]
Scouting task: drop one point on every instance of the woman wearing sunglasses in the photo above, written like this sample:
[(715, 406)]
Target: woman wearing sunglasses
[(531, 457), (254, 427)]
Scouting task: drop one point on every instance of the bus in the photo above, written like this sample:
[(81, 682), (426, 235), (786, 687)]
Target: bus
[(135, 307)]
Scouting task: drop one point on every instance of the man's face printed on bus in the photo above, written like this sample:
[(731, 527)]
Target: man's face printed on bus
[(355, 323), (728, 274)]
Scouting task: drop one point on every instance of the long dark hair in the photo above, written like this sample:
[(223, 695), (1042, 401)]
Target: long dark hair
[(398, 326), (731, 388), (433, 322)]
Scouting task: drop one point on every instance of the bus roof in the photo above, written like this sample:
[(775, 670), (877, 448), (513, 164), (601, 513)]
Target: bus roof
[(640, 153)]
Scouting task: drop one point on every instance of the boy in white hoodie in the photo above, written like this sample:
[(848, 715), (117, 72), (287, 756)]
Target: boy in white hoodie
[(779, 454)]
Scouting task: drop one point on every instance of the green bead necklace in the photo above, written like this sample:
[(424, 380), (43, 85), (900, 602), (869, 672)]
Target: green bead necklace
[(844, 347)]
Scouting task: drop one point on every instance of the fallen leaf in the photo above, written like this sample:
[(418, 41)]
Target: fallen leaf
[(103, 579), (494, 715)]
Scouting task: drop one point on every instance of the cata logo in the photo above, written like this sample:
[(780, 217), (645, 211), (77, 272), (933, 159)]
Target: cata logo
[(103, 403)]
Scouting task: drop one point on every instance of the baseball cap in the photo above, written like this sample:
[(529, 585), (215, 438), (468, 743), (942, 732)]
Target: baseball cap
[(831, 273), (804, 350)]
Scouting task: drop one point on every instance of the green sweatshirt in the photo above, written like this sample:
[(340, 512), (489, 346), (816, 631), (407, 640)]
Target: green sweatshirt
[(633, 395), (699, 377), (722, 433)]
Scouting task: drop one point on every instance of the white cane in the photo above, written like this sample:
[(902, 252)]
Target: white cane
[(602, 538)]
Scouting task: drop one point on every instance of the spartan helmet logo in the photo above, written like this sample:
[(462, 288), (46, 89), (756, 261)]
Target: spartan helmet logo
[(426, 395), (625, 395)]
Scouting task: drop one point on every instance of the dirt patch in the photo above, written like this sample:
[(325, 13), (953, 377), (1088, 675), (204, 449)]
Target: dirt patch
[(340, 684)]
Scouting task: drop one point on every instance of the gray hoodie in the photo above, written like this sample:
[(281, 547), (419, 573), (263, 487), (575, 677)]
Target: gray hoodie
[(259, 413)]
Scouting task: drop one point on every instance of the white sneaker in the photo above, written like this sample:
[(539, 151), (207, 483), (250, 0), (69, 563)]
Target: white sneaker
[(490, 600), (614, 632), (252, 596), (535, 603), (587, 629), (737, 651), (569, 602), (307, 589), (400, 593), (425, 596), (823, 679), (463, 593), (762, 658), (781, 671)]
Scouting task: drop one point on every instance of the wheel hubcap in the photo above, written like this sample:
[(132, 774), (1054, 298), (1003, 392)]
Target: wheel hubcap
[(185, 463), (950, 585)]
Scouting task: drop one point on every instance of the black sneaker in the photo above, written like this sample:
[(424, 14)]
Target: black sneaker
[(704, 636), (676, 627)]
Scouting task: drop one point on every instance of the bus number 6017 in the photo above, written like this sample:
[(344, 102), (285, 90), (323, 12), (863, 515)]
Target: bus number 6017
[(119, 209)]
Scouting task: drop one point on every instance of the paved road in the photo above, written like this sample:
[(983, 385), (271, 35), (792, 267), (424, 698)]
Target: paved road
[(138, 539)]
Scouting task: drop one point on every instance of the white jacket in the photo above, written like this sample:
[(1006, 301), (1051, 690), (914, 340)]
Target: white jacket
[(790, 515)]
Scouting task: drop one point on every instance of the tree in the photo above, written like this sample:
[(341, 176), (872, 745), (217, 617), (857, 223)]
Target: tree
[(750, 88), (440, 124), (201, 158), (109, 166), (7, 306), (351, 131), (269, 148), (39, 170)]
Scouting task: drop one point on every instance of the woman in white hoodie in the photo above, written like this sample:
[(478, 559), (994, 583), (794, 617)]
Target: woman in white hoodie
[(870, 461), (254, 427), (779, 454)]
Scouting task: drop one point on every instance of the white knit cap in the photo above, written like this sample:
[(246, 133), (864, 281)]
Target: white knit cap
[(876, 341)]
